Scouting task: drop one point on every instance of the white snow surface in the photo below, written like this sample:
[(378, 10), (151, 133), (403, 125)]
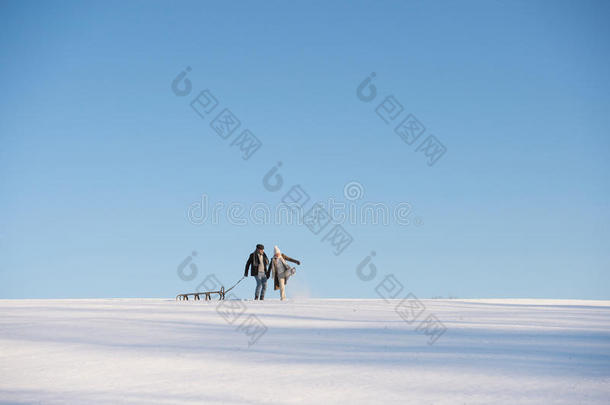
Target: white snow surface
[(314, 351)]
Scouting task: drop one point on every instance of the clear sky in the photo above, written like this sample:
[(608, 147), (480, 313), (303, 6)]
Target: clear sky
[(100, 160)]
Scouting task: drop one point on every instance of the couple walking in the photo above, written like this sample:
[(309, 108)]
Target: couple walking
[(261, 269)]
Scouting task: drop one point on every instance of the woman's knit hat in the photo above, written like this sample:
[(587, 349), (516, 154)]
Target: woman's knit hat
[(276, 250)]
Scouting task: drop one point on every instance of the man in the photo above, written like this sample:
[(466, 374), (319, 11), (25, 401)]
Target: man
[(258, 263)]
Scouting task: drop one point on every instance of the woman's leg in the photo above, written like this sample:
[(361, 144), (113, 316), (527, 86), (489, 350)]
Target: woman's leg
[(282, 288)]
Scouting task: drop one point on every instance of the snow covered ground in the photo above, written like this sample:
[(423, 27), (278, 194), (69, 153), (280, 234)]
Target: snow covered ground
[(314, 351)]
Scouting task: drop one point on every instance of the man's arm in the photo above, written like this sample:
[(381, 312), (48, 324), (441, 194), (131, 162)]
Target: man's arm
[(248, 265), (290, 259)]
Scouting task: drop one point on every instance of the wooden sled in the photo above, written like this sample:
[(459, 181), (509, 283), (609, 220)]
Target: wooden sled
[(197, 295)]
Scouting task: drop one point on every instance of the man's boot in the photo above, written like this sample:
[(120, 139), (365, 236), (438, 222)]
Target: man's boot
[(255, 296), (262, 297)]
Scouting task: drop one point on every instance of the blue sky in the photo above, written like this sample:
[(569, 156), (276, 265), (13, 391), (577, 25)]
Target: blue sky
[(100, 160)]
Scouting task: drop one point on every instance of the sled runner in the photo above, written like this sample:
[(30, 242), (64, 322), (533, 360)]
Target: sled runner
[(197, 295), (207, 294)]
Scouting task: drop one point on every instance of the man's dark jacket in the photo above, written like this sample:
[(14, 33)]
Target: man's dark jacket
[(253, 263)]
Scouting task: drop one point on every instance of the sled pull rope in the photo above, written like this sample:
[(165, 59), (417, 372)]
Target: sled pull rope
[(235, 285)]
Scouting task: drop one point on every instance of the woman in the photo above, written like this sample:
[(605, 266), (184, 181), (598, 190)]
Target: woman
[(281, 271)]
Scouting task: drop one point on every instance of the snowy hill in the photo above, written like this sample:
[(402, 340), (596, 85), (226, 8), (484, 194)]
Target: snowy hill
[(309, 351)]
